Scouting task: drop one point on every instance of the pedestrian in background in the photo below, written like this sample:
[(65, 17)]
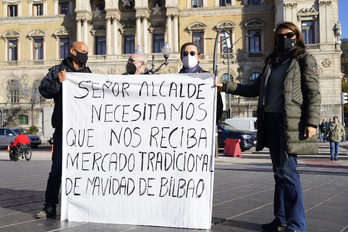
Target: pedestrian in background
[(287, 117), (322, 129), (335, 133), (51, 87)]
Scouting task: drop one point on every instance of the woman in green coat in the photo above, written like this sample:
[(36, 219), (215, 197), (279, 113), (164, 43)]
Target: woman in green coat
[(335, 132), (287, 117)]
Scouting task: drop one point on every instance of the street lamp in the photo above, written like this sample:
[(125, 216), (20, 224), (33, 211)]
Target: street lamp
[(165, 51), (138, 50), (227, 41)]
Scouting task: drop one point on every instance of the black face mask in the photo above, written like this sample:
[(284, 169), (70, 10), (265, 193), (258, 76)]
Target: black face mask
[(286, 44), (81, 57), (131, 68)]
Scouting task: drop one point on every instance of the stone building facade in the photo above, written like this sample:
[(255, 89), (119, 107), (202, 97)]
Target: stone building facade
[(36, 34)]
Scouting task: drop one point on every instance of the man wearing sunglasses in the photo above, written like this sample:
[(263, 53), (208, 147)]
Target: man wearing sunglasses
[(136, 65), (51, 87), (190, 57)]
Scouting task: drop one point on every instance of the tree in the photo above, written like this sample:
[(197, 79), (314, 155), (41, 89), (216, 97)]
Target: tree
[(29, 94)]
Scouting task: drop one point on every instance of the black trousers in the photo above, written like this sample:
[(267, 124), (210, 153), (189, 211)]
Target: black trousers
[(55, 176)]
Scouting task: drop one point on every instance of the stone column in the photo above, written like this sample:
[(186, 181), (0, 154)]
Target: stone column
[(85, 31), (138, 33), (5, 9), (78, 30), (322, 22), (169, 30), (55, 8), (176, 34), (145, 33), (108, 36), (6, 49), (115, 25)]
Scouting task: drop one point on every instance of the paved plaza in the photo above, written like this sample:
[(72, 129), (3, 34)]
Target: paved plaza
[(243, 194)]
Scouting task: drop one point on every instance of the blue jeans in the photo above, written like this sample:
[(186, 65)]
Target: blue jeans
[(288, 200), (334, 146)]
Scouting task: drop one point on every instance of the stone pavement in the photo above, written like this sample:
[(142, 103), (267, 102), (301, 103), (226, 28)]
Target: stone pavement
[(243, 194)]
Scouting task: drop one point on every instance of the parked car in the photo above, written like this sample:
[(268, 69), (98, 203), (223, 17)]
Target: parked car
[(35, 140), (246, 124), (226, 131), (7, 135)]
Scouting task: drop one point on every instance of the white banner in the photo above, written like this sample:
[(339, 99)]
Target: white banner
[(138, 149)]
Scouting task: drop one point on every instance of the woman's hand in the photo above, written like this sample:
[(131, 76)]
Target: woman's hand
[(218, 85), (309, 131)]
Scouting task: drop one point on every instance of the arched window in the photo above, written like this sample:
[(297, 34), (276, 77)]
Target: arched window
[(13, 91), (224, 78), (253, 76)]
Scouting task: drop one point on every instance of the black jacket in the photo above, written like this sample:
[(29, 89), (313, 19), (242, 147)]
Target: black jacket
[(51, 88), (219, 106)]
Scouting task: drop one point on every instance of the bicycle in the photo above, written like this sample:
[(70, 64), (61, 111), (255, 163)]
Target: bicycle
[(23, 150)]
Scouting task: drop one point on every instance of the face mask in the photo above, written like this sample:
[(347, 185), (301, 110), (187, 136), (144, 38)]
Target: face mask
[(81, 57), (131, 68), (286, 44), (189, 61)]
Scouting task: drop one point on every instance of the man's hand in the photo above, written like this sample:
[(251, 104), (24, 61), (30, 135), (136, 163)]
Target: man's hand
[(309, 131), (62, 76)]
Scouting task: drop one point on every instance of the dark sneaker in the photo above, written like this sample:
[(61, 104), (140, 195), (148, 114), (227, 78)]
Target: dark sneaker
[(47, 212), (274, 226)]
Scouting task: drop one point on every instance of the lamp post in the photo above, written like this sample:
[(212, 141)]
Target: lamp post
[(228, 46), (165, 51)]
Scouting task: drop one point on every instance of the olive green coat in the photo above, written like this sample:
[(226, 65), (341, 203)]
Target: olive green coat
[(301, 103), (335, 132)]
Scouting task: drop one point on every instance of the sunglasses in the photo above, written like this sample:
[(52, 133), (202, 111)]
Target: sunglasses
[(192, 53), (288, 35)]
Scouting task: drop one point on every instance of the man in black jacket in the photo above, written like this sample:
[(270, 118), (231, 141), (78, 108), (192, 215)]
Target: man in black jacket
[(190, 57), (51, 87)]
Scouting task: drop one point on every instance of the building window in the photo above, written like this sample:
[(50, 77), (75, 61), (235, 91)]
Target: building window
[(253, 76), (63, 8), (13, 92), (197, 38), (255, 40), (225, 41), (308, 32), (100, 7), (12, 11), (22, 120), (197, 3), (158, 43), (224, 78), (37, 9), (225, 2), (129, 44), (101, 45), (38, 49), (12, 50), (253, 2), (64, 47)]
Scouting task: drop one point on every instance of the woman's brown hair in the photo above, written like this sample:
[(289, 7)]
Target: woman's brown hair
[(299, 39)]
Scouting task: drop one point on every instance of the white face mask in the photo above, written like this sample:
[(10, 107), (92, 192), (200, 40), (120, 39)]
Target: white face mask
[(189, 61)]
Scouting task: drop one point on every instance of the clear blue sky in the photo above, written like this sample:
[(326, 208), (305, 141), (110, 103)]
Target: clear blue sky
[(343, 17)]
